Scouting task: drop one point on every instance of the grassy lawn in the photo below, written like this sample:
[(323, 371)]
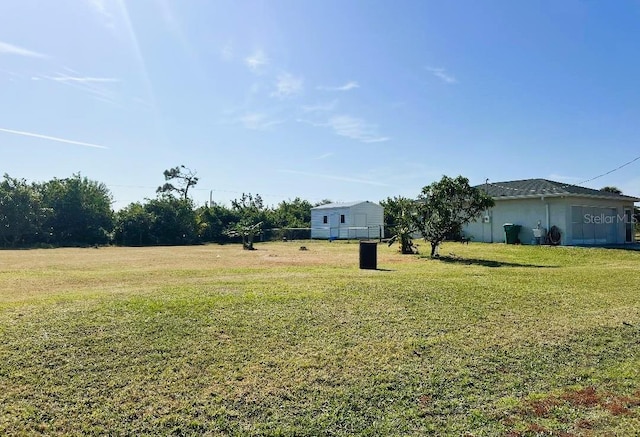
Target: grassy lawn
[(212, 340)]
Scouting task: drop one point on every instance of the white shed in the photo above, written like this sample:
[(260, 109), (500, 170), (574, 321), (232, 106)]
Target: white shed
[(347, 220)]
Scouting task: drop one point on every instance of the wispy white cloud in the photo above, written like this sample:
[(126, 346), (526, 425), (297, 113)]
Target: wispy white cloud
[(325, 156), (258, 121), (256, 61), (168, 15), (97, 87), (350, 127), (85, 79), (50, 138), (335, 177), (442, 74), (356, 129), (101, 7), (287, 86), (346, 87), (10, 49), (135, 45), (116, 17), (312, 123), (562, 178), (226, 52), (321, 107), (175, 26), (11, 74), (139, 101)]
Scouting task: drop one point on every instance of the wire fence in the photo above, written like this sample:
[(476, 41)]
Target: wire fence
[(328, 233), (285, 234)]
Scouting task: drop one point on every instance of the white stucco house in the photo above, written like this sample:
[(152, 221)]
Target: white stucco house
[(583, 216), (347, 220)]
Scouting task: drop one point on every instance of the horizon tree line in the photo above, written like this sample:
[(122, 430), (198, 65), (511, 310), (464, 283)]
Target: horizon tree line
[(76, 211)]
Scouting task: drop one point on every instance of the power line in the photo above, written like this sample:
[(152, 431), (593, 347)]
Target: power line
[(610, 171), (576, 184)]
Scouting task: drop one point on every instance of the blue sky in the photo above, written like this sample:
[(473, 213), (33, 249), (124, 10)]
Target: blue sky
[(346, 100)]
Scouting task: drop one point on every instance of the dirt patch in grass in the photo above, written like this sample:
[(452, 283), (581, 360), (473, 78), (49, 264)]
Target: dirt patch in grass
[(580, 404)]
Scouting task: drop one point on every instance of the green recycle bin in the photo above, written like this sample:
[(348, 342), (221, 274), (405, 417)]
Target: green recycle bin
[(511, 232)]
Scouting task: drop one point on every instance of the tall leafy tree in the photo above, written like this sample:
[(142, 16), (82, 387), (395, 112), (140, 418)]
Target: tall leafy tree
[(80, 211), (178, 180), (133, 226), (21, 212), (447, 205), (401, 218), (212, 221), (294, 213), (173, 221)]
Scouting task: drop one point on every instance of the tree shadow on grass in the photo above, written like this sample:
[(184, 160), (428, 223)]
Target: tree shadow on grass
[(627, 246), (488, 262)]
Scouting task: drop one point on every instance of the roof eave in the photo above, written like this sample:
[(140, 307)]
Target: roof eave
[(591, 196)]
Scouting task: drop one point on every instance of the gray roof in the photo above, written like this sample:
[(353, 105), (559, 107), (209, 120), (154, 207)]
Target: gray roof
[(342, 204), (544, 187)]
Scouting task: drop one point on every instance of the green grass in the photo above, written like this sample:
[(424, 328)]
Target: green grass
[(212, 340)]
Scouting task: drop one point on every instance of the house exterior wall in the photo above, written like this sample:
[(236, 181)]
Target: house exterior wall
[(527, 212), (524, 212), (602, 221), (366, 215)]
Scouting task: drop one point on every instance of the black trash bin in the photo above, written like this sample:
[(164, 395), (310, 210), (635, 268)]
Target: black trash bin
[(369, 255), (511, 233)]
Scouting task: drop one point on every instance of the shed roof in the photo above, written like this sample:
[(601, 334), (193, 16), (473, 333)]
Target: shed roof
[(342, 204), (545, 187)]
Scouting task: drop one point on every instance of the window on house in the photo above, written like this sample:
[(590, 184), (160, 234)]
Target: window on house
[(341, 218), (325, 219)]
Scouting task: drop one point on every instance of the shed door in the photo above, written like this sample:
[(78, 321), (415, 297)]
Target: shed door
[(334, 225), (360, 223)]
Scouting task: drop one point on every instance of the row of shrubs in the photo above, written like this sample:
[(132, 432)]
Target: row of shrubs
[(77, 211)]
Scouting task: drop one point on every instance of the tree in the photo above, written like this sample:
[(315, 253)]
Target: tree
[(212, 221), (295, 213), (133, 225), (173, 221), (611, 189), (21, 212), (401, 219), (165, 220), (184, 179), (245, 231), (445, 206), (252, 215), (251, 210), (80, 211)]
